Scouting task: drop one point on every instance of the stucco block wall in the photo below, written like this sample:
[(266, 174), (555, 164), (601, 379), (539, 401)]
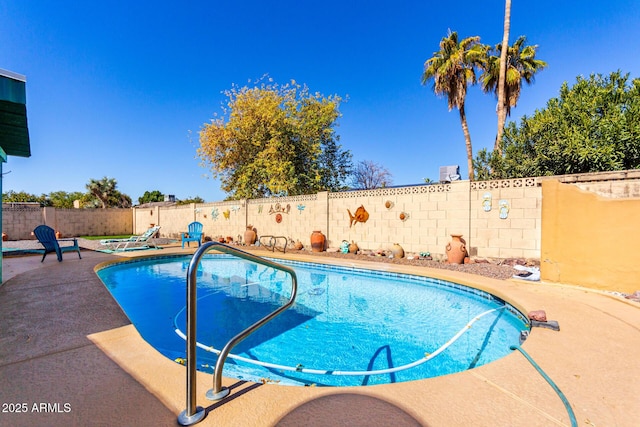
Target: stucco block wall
[(19, 222), (589, 240)]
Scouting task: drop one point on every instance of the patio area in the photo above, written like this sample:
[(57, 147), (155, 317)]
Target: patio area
[(70, 357)]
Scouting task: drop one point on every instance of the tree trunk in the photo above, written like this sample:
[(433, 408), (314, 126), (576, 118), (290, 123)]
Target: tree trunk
[(502, 111), (467, 139)]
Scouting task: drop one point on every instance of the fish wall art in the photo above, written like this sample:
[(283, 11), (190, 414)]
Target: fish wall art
[(361, 215)]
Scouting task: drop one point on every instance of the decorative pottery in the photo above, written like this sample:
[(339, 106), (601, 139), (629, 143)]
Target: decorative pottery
[(388, 204), (317, 241), (249, 235), (344, 247), (353, 248), (298, 245), (278, 218), (402, 216), (397, 251), (58, 234), (456, 249), (5, 236)]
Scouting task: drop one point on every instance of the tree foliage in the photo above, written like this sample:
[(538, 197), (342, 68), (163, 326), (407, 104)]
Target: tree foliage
[(592, 126), (56, 199), (275, 140), (105, 194), (368, 175), (24, 197), (188, 200), (64, 200), (520, 64), (151, 196), (452, 68)]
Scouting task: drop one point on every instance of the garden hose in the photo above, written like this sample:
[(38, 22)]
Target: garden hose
[(567, 405)]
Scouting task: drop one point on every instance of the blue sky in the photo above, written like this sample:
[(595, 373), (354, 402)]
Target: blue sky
[(121, 88)]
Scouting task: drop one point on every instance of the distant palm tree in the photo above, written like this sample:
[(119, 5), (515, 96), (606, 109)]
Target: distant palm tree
[(521, 64), (452, 68), (103, 189)]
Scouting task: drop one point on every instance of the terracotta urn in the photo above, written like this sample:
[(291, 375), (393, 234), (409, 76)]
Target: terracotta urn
[(317, 241), (5, 236), (249, 235), (353, 248), (397, 251), (456, 249)]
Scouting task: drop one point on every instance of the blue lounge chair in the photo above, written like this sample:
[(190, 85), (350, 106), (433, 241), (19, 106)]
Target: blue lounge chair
[(193, 235), (47, 238)]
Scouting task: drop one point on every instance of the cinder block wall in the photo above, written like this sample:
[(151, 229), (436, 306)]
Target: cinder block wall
[(505, 218), (18, 222), (498, 219)]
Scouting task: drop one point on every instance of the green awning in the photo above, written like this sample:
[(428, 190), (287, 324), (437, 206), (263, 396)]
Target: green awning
[(14, 132)]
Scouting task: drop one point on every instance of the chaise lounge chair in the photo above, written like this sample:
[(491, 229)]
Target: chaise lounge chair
[(142, 241), (193, 235), (47, 238)]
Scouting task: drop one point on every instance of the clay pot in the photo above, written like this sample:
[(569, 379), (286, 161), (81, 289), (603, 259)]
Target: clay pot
[(58, 234), (353, 247), (298, 245), (388, 204), (249, 235), (317, 241), (456, 249), (5, 236), (397, 251)]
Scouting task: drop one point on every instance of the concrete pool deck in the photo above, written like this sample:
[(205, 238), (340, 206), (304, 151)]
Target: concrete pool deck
[(71, 356)]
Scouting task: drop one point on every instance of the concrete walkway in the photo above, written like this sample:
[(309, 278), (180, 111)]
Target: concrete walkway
[(70, 357)]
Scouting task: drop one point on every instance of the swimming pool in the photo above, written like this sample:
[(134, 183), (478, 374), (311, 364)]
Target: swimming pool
[(345, 320)]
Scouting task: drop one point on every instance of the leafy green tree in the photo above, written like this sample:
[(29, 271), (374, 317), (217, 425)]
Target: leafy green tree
[(151, 196), (23, 197), (452, 68), (521, 64), (64, 200), (593, 126), (275, 140)]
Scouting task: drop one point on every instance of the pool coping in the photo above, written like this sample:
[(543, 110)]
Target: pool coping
[(590, 359)]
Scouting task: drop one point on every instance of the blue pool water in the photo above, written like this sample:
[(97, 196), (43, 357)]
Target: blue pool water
[(344, 319)]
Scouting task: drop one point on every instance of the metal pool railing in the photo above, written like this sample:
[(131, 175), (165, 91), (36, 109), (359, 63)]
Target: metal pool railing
[(194, 414)]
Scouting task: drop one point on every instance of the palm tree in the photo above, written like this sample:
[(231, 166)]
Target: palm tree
[(103, 189), (502, 76), (521, 64), (451, 69)]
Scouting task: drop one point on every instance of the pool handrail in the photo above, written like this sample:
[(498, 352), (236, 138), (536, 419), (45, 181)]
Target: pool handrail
[(272, 242), (194, 414)]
